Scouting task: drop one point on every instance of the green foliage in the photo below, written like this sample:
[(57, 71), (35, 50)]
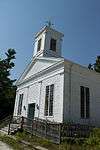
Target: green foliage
[(68, 144), (7, 89), (96, 65), (94, 139), (34, 140), (11, 142), (91, 143), (72, 141), (22, 135)]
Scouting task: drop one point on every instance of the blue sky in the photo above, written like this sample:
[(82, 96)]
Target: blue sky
[(79, 20)]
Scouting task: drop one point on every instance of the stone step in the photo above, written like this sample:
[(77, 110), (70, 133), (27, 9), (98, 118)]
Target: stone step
[(3, 132), (13, 128), (5, 129)]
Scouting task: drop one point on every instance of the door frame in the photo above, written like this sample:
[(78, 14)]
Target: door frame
[(33, 110)]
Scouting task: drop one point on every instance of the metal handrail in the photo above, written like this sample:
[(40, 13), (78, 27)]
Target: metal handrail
[(5, 121)]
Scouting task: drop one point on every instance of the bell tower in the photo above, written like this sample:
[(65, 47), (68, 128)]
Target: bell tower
[(48, 42)]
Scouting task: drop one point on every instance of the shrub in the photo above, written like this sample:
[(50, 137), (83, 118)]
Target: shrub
[(94, 139)]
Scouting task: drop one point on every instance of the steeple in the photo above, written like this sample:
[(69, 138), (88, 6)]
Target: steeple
[(48, 42)]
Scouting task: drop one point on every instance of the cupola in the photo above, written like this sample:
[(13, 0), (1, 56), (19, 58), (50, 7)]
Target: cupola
[(48, 43)]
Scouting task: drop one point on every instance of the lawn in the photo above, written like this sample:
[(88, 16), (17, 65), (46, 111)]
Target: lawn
[(26, 141)]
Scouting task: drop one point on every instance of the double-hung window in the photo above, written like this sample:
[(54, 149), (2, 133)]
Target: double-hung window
[(49, 96), (84, 102)]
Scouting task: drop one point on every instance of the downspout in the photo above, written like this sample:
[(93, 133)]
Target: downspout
[(70, 90)]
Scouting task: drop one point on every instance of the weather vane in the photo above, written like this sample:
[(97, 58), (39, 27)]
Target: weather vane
[(49, 24)]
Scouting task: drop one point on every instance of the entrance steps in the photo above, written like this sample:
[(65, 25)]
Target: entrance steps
[(13, 129)]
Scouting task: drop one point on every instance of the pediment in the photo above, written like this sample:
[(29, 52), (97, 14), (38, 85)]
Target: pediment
[(37, 66)]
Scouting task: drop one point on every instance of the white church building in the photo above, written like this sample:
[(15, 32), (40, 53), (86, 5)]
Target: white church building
[(54, 88)]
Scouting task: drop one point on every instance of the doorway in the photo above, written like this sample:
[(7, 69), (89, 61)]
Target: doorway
[(31, 111)]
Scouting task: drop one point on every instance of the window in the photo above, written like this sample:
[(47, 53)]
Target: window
[(84, 102), (20, 104), (39, 45), (53, 45), (49, 100)]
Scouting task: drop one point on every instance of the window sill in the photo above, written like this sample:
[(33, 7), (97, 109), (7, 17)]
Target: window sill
[(49, 116), (84, 118)]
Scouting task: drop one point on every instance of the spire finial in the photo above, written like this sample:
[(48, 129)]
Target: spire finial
[(49, 23)]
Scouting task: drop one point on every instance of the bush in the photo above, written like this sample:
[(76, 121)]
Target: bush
[(94, 139)]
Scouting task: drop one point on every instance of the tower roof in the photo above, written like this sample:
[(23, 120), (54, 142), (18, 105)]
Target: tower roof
[(48, 28)]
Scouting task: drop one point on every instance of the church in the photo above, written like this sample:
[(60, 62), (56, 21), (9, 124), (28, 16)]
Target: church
[(56, 89)]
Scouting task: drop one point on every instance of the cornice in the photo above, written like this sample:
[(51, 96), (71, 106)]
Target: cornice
[(52, 68)]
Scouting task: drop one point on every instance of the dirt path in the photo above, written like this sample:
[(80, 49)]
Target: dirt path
[(4, 146)]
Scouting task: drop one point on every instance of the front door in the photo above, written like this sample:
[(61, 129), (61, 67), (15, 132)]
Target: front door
[(31, 110)]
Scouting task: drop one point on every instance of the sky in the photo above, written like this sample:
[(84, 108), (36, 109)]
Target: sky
[(78, 20)]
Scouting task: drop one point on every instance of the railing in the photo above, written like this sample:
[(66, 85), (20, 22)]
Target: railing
[(75, 130), (14, 124), (5, 121), (43, 128), (56, 132)]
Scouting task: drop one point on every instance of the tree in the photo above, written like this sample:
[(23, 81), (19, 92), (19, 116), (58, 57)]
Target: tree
[(7, 88), (96, 65)]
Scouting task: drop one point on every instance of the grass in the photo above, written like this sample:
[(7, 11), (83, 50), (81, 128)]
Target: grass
[(11, 142), (91, 143), (34, 140)]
